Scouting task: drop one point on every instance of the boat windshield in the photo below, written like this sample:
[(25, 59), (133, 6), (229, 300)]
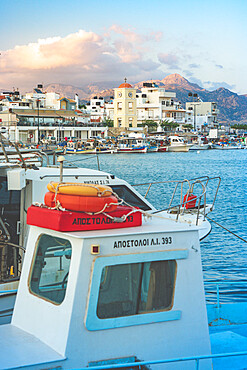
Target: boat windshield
[(130, 197), (50, 270)]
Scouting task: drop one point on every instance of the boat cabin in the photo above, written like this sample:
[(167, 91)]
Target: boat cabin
[(104, 296)]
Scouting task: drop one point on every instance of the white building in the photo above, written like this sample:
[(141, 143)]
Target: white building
[(157, 104), (202, 115), (26, 125), (96, 109), (52, 100)]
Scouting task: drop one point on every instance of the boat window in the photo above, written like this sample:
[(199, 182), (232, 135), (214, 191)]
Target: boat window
[(136, 288), (50, 269), (129, 197)]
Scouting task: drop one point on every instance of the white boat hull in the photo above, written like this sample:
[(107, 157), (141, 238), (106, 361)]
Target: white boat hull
[(200, 147), (178, 148)]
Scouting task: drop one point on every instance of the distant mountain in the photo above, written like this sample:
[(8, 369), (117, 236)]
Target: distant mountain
[(68, 91), (232, 107), (176, 80)]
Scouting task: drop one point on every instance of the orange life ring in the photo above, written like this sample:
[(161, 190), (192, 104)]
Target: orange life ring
[(81, 203), (73, 188)]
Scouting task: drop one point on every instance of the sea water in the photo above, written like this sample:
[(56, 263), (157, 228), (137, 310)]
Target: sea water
[(224, 256)]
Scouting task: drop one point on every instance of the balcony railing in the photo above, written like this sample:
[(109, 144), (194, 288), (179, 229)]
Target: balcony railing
[(65, 124)]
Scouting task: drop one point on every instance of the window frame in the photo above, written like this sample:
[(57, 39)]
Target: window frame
[(93, 322), (32, 267)]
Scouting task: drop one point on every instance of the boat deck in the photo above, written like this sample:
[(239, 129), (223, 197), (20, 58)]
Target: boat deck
[(31, 351), (229, 339)]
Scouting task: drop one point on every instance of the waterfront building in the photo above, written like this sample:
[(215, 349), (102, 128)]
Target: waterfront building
[(96, 109), (37, 97), (13, 100), (157, 104), (52, 100), (125, 111), (67, 104), (28, 125), (109, 108), (202, 115)]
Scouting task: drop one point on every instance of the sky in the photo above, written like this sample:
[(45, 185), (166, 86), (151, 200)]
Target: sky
[(84, 42)]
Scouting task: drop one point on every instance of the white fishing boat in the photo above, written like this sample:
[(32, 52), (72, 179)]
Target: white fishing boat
[(121, 290), (227, 146), (200, 144), (177, 144), (24, 182)]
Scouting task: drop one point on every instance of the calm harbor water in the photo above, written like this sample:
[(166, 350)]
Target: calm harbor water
[(224, 257)]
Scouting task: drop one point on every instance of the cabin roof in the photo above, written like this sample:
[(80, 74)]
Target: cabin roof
[(150, 227), (50, 172)]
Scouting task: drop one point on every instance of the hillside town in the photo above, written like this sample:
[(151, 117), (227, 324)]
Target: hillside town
[(47, 117)]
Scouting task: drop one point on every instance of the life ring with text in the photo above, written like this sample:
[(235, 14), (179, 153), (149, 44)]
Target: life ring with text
[(73, 188), (81, 203)]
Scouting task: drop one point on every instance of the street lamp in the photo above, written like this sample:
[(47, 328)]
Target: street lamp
[(38, 101), (194, 98)]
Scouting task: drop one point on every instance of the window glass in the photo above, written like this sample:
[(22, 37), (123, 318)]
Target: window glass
[(51, 268), (130, 289), (129, 197)]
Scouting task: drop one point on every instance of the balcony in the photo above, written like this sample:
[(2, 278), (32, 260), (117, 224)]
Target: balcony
[(64, 124)]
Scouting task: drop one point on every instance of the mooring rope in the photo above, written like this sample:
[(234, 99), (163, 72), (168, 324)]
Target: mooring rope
[(231, 232)]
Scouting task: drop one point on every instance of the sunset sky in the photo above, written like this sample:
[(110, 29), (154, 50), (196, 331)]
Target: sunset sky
[(85, 42)]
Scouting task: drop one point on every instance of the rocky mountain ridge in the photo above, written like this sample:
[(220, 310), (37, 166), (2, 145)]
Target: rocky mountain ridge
[(232, 107)]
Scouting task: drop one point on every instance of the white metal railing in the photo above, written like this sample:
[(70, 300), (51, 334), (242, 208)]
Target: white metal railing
[(231, 287), (180, 207)]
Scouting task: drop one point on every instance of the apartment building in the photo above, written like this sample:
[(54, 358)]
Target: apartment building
[(97, 110), (157, 104), (202, 115)]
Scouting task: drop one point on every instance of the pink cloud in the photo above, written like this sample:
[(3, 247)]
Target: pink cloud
[(78, 58)]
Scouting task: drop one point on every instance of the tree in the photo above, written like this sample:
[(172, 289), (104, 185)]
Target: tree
[(82, 106), (188, 126), (239, 127), (169, 125), (108, 122), (152, 125)]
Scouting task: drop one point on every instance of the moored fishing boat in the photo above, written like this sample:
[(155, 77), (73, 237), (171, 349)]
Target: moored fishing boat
[(24, 183), (128, 144), (76, 147), (177, 144), (201, 144), (103, 292), (161, 142), (152, 146)]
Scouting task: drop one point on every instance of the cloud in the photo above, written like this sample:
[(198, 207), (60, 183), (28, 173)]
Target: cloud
[(78, 58), (194, 65), (133, 37), (216, 85), (170, 60)]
